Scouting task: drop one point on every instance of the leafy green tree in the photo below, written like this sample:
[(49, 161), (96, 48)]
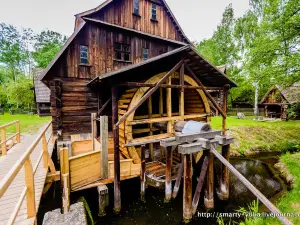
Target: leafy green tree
[(48, 43), (12, 54), (20, 93)]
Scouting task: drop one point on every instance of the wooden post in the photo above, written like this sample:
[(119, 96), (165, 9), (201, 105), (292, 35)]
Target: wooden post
[(103, 195), (117, 190), (181, 97), (169, 105), (151, 155), (209, 192), (200, 183), (104, 146), (3, 140), (223, 192), (143, 169), (161, 112), (30, 193), (94, 128), (187, 188), (168, 181), (178, 180), (45, 151), (65, 178), (18, 139)]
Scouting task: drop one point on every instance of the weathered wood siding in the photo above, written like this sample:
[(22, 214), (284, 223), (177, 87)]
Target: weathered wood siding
[(77, 104), (100, 40), (120, 12)]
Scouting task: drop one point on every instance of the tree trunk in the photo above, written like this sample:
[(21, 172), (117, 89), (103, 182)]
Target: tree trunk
[(256, 100)]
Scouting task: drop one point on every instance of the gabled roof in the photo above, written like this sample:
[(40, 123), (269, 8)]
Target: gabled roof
[(291, 93), (209, 75), (42, 92), (163, 3), (61, 51)]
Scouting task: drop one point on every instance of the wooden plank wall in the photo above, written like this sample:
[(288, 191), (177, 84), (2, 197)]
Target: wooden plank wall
[(120, 12), (78, 102), (100, 41)]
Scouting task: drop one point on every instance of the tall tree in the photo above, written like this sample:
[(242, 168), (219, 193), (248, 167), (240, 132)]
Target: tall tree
[(12, 54), (48, 43)]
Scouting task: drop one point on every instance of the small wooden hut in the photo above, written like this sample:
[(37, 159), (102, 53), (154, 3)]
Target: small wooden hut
[(41, 93), (278, 99)]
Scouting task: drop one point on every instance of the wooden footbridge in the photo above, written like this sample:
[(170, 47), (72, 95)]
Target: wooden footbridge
[(23, 174)]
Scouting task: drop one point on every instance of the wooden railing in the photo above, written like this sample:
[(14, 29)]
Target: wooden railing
[(25, 161), (3, 135)]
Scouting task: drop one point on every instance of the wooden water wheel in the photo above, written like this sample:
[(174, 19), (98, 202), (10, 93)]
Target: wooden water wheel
[(161, 108)]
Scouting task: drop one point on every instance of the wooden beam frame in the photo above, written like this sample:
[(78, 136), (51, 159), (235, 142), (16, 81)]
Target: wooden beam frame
[(205, 91), (150, 92), (103, 107)]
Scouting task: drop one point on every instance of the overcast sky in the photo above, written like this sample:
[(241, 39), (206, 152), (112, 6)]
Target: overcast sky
[(198, 18)]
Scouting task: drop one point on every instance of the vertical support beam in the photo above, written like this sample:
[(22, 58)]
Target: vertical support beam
[(209, 192), (200, 182), (150, 126), (223, 192), (169, 105), (187, 188), (178, 179), (168, 181), (181, 97), (143, 169), (30, 193), (161, 112), (18, 131), (3, 140), (104, 146), (94, 128), (45, 151), (65, 178), (225, 96), (117, 190)]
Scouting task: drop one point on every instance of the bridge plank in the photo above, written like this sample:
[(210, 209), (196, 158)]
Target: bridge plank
[(12, 195)]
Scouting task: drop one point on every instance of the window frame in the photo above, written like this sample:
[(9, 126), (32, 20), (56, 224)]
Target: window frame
[(145, 52), (123, 49), (154, 12), (84, 60), (136, 3)]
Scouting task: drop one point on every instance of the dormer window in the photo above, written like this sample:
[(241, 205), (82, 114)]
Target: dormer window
[(136, 7), (84, 59), (153, 12)]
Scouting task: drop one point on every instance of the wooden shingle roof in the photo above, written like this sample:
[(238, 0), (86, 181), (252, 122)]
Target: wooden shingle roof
[(291, 93), (42, 92)]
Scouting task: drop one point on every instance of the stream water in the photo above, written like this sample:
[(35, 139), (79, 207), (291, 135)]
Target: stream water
[(154, 211)]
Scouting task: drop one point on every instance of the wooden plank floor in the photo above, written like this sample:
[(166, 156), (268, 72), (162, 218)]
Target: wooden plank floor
[(12, 195)]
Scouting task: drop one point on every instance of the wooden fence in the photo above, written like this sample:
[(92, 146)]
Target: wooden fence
[(13, 138), (25, 161), (245, 111)]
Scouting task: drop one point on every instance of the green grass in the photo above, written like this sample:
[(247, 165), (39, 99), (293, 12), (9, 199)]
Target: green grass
[(253, 136), (29, 123)]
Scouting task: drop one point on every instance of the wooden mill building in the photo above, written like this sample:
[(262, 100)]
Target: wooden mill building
[(128, 60), (278, 99)]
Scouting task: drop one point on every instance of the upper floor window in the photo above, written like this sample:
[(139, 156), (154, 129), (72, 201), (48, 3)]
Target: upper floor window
[(84, 59), (136, 7), (122, 51), (153, 11), (145, 53)]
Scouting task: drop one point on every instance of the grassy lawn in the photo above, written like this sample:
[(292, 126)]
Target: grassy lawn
[(253, 136), (29, 123)]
